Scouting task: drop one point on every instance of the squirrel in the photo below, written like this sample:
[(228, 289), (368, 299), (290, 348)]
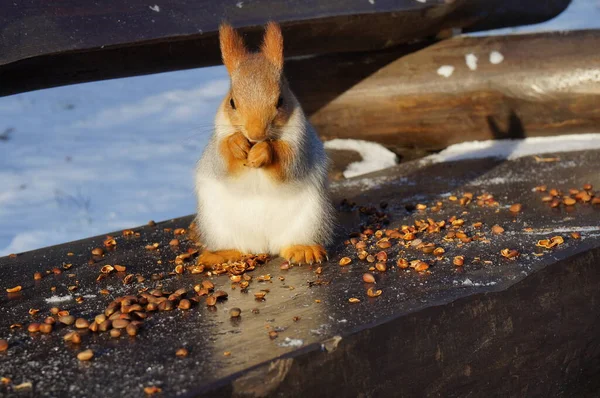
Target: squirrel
[(261, 183)]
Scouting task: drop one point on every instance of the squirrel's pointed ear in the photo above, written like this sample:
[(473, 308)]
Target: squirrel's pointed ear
[(233, 50), (272, 47)]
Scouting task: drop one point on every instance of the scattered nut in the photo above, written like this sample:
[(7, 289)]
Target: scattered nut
[(151, 390), (345, 261), (373, 293), (508, 253), (516, 208), (85, 355), (354, 300), (81, 323), (182, 352), (402, 263), (211, 301), (421, 266), (97, 251), (115, 333), (458, 261), (368, 278), (384, 244), (14, 289), (439, 251), (67, 319), (131, 329), (184, 304), (120, 323), (235, 312)]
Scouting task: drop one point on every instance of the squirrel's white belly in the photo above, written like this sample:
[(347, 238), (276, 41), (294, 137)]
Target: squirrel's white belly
[(254, 214)]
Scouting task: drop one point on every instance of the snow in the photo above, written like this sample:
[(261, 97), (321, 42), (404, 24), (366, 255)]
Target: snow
[(374, 156), (471, 61), (469, 282), (58, 299), (287, 342), (496, 57), (92, 158), (513, 149), (445, 70)]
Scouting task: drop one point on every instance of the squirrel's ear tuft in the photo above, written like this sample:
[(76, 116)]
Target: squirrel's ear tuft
[(272, 47), (233, 49)]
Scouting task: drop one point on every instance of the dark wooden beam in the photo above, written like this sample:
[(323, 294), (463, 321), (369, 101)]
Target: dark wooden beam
[(493, 327), (547, 84), (44, 44)]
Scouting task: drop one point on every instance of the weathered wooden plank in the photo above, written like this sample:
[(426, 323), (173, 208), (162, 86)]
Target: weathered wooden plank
[(494, 326), (546, 84), (43, 44)]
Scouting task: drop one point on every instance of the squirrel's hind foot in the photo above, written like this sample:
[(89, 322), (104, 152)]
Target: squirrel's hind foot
[(304, 254), (219, 257)]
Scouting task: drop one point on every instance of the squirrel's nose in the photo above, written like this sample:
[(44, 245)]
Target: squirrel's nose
[(256, 132)]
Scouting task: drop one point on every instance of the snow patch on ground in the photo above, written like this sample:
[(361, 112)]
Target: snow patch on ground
[(93, 158), (471, 61), (445, 70), (496, 57), (469, 282), (58, 299), (513, 149), (287, 342), (374, 156)]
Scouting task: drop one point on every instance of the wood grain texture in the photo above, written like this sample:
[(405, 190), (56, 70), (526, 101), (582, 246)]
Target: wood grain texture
[(44, 44), (504, 328), (547, 84)]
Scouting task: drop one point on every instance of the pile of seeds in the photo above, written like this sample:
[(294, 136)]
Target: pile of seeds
[(556, 198), (377, 245), (126, 314)]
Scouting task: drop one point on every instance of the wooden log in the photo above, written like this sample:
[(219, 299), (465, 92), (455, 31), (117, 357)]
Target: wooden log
[(546, 84), (44, 44), (493, 327)]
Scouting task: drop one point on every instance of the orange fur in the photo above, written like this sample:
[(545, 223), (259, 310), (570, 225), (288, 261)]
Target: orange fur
[(260, 155), (193, 234), (282, 157), (307, 254), (233, 50), (234, 150), (219, 257), (272, 47)]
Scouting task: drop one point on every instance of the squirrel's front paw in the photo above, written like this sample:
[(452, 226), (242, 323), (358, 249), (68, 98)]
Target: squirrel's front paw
[(238, 145), (260, 155)]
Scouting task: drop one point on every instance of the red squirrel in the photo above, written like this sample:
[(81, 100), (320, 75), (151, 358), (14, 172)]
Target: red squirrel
[(261, 182)]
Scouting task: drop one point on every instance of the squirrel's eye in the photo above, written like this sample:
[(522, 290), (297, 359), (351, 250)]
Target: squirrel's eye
[(280, 102), (232, 103)]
